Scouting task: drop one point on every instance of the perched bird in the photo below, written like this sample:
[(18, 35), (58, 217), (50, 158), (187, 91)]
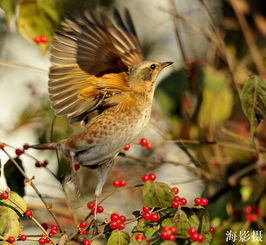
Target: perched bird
[(98, 77)]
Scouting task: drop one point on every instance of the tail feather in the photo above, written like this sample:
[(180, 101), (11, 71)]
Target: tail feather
[(48, 146)]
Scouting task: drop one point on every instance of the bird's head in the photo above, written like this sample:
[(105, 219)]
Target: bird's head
[(142, 76)]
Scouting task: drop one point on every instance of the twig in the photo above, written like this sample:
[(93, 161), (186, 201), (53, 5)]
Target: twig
[(34, 188), (19, 66), (248, 36)]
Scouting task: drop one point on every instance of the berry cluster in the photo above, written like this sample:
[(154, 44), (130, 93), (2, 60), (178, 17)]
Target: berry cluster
[(19, 152), (127, 147), (147, 215), (117, 221), (41, 164), (91, 205), (178, 201), (146, 177), (40, 39), (44, 240), (119, 183), (252, 213), (145, 143), (81, 227), (53, 230), (203, 201), (168, 233), (194, 235), (140, 237)]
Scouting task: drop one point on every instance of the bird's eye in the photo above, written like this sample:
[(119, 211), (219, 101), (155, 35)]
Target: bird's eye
[(153, 66)]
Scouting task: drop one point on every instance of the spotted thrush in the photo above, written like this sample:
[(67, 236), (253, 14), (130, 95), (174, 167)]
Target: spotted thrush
[(98, 77)]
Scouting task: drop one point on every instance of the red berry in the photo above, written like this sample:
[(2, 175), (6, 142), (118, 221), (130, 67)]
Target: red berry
[(145, 178), (127, 147), (91, 204), (152, 177), (204, 201), (100, 209), (197, 201), (251, 218), (212, 229), (258, 211), (171, 237), (176, 199), (166, 228), (191, 230), (45, 226), (122, 218), (76, 166), (114, 217), (83, 232), (183, 201), (42, 240), (248, 209), (53, 232), (43, 39), (54, 227), (23, 237), (11, 239), (38, 164), (121, 226), (116, 183), (147, 216), (146, 209), (26, 146), (143, 142), (175, 204), (113, 225), (86, 242), (122, 183), (45, 163), (175, 190), (19, 152), (194, 236), (28, 212), (82, 224), (164, 235), (173, 230), (140, 237), (37, 39), (149, 146), (4, 195), (47, 240), (155, 217), (200, 238)]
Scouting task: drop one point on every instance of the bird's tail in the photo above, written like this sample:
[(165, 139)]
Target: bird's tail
[(48, 146)]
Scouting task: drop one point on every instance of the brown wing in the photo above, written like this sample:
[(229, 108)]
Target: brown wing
[(90, 59)]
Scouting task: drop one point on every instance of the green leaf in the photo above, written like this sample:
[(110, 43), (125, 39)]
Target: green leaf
[(14, 179), (204, 224), (253, 99), (193, 219), (182, 222), (64, 169), (9, 219), (217, 99), (43, 19), (149, 231), (118, 238), (157, 194)]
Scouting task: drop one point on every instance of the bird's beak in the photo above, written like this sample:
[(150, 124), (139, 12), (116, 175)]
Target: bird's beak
[(165, 64)]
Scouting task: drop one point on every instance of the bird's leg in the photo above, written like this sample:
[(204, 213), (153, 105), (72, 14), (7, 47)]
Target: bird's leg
[(103, 172)]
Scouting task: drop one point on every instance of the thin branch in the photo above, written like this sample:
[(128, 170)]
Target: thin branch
[(19, 66), (34, 188)]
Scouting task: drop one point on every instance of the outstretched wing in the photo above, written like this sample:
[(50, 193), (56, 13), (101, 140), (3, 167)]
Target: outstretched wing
[(90, 58)]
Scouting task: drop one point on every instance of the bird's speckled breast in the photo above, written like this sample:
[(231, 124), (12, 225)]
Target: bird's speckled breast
[(108, 133)]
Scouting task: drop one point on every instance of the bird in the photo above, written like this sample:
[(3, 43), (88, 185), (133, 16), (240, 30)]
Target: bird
[(99, 79)]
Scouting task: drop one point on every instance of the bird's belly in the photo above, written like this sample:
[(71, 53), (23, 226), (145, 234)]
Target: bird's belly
[(115, 137)]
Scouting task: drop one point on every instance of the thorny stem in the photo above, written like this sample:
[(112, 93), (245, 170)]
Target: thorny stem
[(34, 188)]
